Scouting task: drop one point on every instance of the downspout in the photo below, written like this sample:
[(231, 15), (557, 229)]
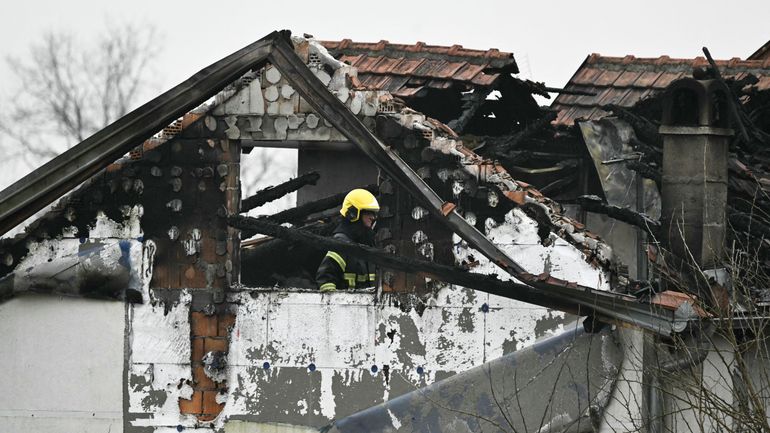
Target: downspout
[(686, 358), (696, 137)]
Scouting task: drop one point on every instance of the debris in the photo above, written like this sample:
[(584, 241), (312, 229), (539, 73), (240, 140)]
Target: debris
[(501, 145), (275, 192), (593, 203), (544, 290)]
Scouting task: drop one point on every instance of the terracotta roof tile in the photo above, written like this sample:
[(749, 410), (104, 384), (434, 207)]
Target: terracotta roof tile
[(351, 60), (407, 92), (439, 84), (484, 79), (366, 63), (607, 78), (407, 66), (441, 66), (631, 97), (586, 76), (646, 78), (627, 80), (467, 72), (612, 96), (763, 84), (383, 65), (667, 78)]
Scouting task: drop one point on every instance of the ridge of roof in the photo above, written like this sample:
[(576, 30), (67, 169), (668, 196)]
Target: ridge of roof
[(624, 81), (405, 70), (456, 50), (664, 60)]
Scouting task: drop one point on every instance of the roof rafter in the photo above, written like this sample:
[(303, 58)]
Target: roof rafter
[(55, 178)]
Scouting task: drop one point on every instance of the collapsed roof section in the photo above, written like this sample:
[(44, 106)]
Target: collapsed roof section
[(404, 70), (624, 81), (451, 84), (42, 186)]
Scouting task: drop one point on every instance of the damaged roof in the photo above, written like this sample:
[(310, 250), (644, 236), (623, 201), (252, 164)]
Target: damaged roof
[(404, 70), (624, 81), (763, 53), (276, 48)]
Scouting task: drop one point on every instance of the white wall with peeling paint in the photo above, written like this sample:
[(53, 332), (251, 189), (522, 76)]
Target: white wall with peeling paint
[(62, 365), (329, 344), (159, 371)]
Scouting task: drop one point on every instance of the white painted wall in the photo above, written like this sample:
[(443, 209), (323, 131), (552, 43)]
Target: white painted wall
[(62, 365), (624, 410)]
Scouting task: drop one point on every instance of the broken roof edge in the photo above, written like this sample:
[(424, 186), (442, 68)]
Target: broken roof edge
[(591, 247), (518, 192), (58, 176), (663, 60), (279, 50), (760, 53), (441, 52)]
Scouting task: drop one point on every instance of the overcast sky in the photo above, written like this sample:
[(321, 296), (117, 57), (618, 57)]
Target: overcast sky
[(549, 39)]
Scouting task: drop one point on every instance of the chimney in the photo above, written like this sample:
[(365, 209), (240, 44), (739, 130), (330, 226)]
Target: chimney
[(696, 136)]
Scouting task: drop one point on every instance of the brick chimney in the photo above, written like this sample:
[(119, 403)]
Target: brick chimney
[(694, 188)]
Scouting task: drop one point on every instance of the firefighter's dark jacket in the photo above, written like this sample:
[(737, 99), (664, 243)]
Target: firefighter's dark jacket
[(339, 271)]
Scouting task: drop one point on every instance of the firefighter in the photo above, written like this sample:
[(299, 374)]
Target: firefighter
[(339, 271)]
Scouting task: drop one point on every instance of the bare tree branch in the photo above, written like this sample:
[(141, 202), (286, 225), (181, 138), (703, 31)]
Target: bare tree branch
[(67, 90)]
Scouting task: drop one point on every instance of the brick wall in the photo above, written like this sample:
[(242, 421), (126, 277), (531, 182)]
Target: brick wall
[(209, 336), (194, 185)]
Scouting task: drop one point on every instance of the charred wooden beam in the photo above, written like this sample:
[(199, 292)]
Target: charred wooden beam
[(592, 203), (568, 91), (544, 291), (499, 146), (471, 106), (646, 130), (299, 213), (541, 156), (275, 192), (559, 185), (646, 171), (651, 153), (449, 274), (550, 291), (541, 89), (269, 261)]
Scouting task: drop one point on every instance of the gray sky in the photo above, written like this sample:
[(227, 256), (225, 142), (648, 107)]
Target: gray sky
[(549, 39)]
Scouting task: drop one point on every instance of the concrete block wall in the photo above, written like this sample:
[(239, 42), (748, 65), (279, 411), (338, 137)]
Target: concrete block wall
[(62, 363)]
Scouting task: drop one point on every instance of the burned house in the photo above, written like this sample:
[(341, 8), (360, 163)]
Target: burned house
[(216, 334)]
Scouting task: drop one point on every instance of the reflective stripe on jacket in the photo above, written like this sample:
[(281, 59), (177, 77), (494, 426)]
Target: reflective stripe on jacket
[(339, 271)]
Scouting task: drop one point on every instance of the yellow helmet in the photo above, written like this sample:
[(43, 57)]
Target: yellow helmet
[(356, 201)]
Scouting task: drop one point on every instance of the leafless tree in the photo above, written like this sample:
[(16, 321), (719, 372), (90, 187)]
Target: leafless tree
[(264, 167), (67, 89)]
